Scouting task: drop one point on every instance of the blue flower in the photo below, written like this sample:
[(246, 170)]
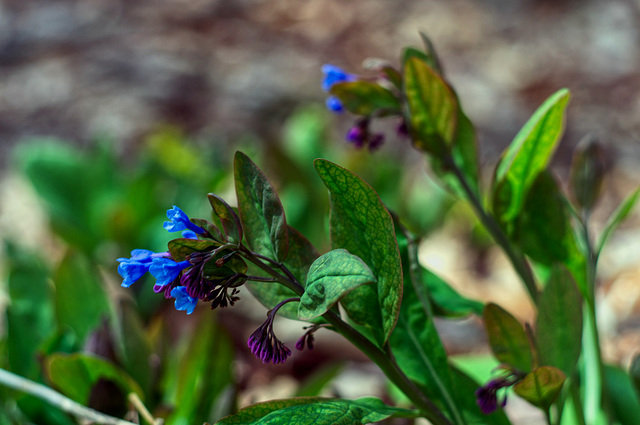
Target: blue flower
[(183, 300), (132, 269), (333, 75), (180, 221), (189, 234), (166, 271)]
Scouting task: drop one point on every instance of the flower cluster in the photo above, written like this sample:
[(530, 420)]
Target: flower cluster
[(487, 395), (202, 266)]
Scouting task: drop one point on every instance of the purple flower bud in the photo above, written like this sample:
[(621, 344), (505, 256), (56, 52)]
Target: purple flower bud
[(166, 271), (180, 221), (183, 300), (375, 141), (263, 342), (487, 395)]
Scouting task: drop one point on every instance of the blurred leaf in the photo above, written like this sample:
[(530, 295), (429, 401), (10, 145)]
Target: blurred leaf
[(301, 255), (81, 302), (527, 155), (541, 386), (433, 108), (507, 338), (330, 278), (447, 301), (76, 374), (260, 209), (415, 342), (618, 217), (230, 220), (587, 173), (559, 322), (542, 229), (203, 375), (316, 411), (429, 48), (313, 385), (634, 371), (365, 98), (624, 399), (30, 311), (361, 224)]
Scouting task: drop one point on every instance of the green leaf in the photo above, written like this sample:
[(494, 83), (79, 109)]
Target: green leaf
[(315, 411), (429, 48), (330, 278), (366, 97), (433, 107), (542, 229), (81, 302), (559, 322), (587, 173), (541, 386), (76, 374), (230, 220), (181, 248), (313, 385), (634, 371), (527, 155), (301, 255), (623, 398), (30, 312), (201, 379), (447, 302), (507, 338), (361, 224), (261, 212), (617, 217)]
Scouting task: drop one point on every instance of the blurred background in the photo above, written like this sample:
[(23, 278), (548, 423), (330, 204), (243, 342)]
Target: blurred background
[(113, 111)]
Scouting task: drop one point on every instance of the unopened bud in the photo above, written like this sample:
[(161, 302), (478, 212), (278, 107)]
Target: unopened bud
[(587, 173)]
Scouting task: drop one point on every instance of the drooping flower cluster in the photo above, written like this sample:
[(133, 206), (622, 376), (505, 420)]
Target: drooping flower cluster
[(202, 266)]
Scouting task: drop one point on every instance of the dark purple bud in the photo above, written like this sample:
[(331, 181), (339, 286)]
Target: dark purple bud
[(263, 342), (402, 130), (375, 141)]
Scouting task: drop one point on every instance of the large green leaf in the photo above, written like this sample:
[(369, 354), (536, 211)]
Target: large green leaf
[(315, 411), (228, 217), (361, 224), (366, 97), (541, 386), (261, 212), (81, 302), (618, 217), (507, 337), (559, 322), (624, 399), (433, 107), (301, 255), (30, 314), (446, 300), (415, 342), (76, 374), (527, 155), (330, 278)]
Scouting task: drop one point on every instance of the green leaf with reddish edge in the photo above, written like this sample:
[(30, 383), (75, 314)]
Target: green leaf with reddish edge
[(559, 322), (365, 98), (213, 230), (623, 398), (261, 212), (316, 411), (361, 224), (330, 278), (527, 155), (76, 374), (507, 338), (542, 229), (181, 248), (415, 342), (541, 386), (228, 217), (618, 217), (433, 108), (301, 255)]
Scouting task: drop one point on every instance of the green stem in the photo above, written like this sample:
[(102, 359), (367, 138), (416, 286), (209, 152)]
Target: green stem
[(517, 259), (54, 398), (377, 355), (577, 403)]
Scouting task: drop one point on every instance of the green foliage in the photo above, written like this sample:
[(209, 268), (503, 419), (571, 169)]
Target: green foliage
[(330, 278), (507, 337), (361, 224), (618, 217), (625, 399), (541, 386), (366, 98), (315, 411)]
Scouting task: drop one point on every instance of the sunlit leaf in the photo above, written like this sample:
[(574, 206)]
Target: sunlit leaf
[(541, 386)]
